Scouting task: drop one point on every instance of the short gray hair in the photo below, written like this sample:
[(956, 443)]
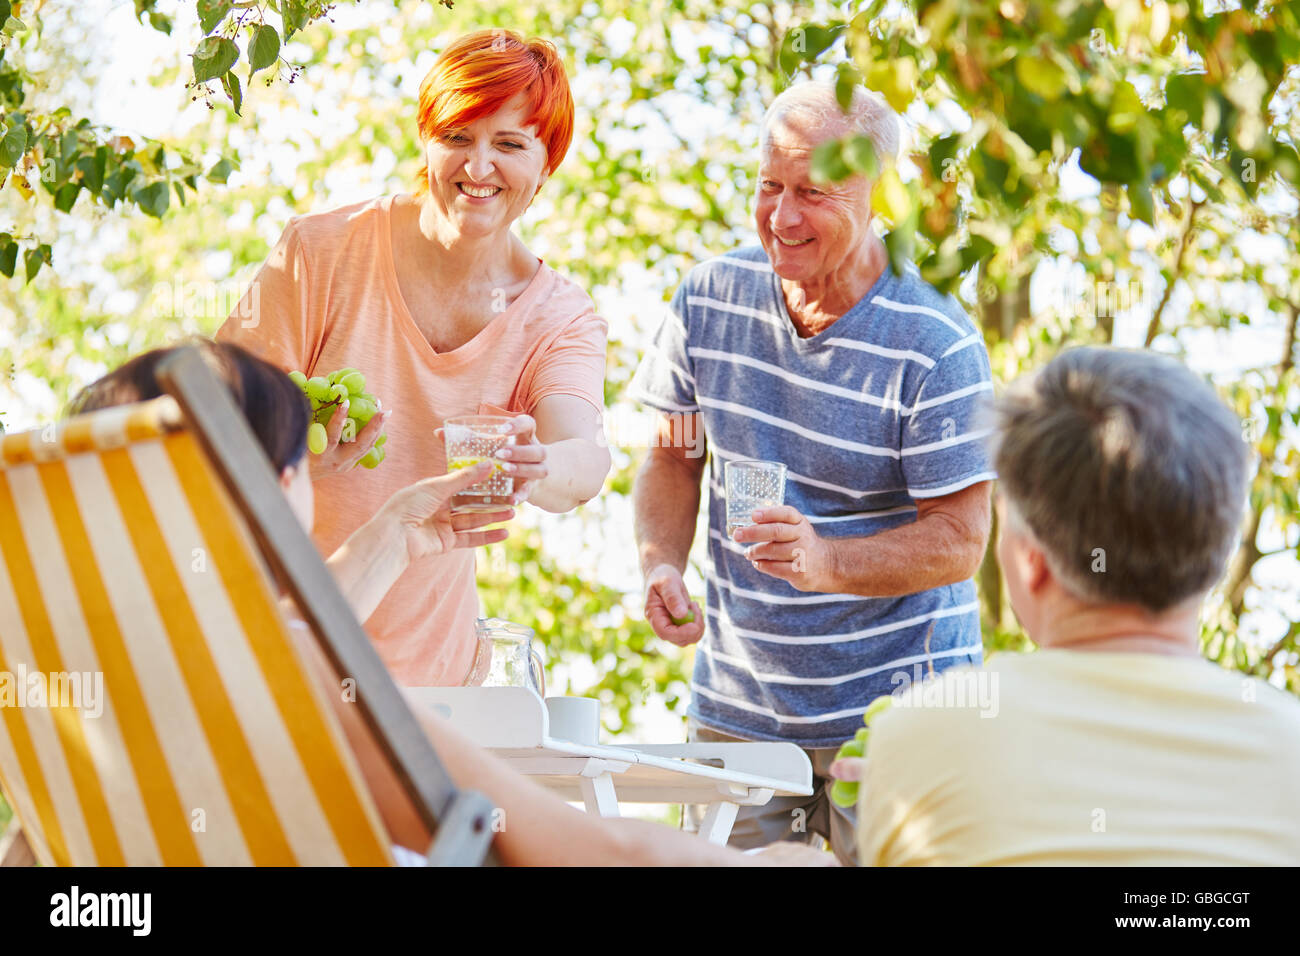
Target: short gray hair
[(867, 114), (1129, 457)]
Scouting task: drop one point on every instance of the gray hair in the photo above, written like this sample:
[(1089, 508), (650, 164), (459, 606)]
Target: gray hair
[(1127, 469), (867, 114)]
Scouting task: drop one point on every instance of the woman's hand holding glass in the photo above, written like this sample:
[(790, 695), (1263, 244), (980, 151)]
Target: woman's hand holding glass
[(525, 460)]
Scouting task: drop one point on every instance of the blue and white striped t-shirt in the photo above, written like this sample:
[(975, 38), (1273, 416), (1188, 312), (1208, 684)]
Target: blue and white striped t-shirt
[(869, 415)]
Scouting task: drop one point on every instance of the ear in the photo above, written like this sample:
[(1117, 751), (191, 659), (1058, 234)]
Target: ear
[(1034, 571), (1029, 564)]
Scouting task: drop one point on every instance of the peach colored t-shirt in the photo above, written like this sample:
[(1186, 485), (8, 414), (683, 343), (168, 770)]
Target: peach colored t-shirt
[(327, 298)]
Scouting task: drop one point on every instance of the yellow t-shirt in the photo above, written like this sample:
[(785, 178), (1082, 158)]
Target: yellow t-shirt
[(1084, 758)]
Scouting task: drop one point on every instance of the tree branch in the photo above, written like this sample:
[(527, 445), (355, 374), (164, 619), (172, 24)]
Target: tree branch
[(1280, 645), (1288, 349), (1153, 327)]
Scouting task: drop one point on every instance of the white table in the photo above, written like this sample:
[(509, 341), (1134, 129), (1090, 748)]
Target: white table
[(514, 724)]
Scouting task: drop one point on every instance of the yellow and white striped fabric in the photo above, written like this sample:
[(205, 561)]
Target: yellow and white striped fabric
[(121, 555)]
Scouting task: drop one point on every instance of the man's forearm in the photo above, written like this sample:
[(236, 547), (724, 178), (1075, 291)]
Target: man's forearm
[(929, 553), (666, 499)]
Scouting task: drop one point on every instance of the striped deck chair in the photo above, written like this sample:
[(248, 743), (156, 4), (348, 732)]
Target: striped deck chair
[(154, 709)]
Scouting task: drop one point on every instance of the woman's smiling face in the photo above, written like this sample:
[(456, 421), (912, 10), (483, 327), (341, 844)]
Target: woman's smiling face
[(482, 176)]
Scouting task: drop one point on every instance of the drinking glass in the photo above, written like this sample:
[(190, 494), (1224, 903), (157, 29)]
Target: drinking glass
[(471, 439), (750, 485)]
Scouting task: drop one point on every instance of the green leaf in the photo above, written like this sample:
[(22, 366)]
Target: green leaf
[(220, 172), (847, 77), (92, 170), (13, 145), (212, 12), (264, 49), (153, 198), (828, 163), (213, 57), (6, 8), (1041, 76), (66, 197), (233, 90), (294, 13), (860, 155), (1185, 93), (33, 259), (900, 243), (8, 258)]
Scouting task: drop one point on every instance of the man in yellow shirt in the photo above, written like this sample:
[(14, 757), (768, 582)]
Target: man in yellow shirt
[(1122, 479)]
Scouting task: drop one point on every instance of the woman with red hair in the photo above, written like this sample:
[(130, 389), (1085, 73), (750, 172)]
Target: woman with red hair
[(446, 312)]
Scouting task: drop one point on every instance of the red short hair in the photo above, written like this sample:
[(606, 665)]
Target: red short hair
[(481, 72)]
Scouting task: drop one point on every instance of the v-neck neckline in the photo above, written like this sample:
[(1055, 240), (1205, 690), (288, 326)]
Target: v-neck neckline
[(815, 341), (483, 338)]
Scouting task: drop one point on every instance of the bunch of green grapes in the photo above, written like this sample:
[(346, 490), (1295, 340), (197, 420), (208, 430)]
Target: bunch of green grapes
[(845, 792), (326, 393)]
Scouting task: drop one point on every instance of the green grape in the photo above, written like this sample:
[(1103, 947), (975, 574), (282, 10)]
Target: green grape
[(861, 738), (318, 388), (850, 748), (362, 409), (879, 705), (845, 793), (689, 618), (327, 393)]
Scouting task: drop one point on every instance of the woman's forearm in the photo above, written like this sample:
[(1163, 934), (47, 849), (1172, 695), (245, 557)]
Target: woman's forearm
[(369, 562), (576, 472)]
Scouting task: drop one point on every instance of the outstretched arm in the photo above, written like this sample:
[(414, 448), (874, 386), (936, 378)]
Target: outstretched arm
[(540, 829)]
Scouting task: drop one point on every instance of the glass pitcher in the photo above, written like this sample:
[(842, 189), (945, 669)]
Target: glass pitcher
[(506, 656)]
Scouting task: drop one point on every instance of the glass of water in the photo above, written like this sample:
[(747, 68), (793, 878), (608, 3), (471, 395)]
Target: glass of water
[(471, 439), (751, 485)]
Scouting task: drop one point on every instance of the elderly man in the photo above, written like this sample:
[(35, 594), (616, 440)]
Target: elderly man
[(809, 350), (1121, 484)]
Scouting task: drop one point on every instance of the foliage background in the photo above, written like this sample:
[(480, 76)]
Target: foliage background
[(1120, 171)]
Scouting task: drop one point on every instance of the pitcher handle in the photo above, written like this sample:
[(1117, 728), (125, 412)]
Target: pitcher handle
[(538, 671)]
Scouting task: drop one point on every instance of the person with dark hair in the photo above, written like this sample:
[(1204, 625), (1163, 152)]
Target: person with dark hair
[(1122, 483), (416, 522)]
